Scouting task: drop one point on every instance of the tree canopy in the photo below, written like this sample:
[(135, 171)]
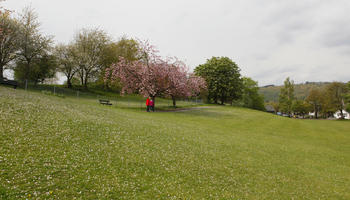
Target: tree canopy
[(153, 76), (223, 79)]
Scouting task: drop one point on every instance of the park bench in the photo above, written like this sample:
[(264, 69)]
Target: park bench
[(4, 81), (105, 102)]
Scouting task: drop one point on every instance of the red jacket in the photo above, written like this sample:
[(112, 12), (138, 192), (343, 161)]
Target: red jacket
[(147, 102)]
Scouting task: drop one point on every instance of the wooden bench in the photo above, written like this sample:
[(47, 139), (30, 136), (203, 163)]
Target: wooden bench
[(105, 102), (4, 81)]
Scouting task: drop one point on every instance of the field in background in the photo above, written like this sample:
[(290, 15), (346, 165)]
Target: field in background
[(53, 147), (271, 93)]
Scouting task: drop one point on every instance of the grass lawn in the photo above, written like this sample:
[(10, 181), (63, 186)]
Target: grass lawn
[(67, 148)]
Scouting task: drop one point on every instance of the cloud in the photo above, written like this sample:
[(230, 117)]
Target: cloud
[(337, 34), (269, 39)]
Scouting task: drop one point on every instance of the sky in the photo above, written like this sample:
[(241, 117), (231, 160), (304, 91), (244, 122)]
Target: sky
[(270, 40)]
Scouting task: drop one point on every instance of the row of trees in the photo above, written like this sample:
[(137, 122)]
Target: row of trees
[(128, 65), (153, 76), (219, 79), (334, 97), (89, 55), (92, 56), (33, 57)]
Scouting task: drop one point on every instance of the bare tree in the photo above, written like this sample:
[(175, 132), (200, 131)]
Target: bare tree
[(89, 47), (66, 62)]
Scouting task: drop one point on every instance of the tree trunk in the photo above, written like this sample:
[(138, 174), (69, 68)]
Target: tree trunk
[(27, 70), (341, 114), (82, 76), (174, 101), (1, 72), (106, 85), (82, 79), (85, 85), (85, 81), (69, 83), (222, 99)]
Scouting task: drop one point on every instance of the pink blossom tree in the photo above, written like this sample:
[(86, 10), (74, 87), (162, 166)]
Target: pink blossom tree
[(152, 76), (177, 82), (181, 83), (196, 84)]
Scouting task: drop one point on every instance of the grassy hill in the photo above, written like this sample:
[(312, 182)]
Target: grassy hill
[(271, 93), (66, 148)]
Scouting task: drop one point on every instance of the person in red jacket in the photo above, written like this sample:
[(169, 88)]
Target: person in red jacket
[(151, 104), (148, 103)]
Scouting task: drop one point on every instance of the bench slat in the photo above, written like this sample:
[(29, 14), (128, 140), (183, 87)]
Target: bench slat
[(104, 102)]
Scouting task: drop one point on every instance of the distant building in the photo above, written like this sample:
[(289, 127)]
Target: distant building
[(266, 86), (311, 114), (338, 114), (335, 115), (269, 109)]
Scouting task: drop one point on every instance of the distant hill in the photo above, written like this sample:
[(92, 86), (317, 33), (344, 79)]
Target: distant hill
[(271, 92)]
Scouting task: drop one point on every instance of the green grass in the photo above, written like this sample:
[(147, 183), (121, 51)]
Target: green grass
[(127, 101), (66, 148)]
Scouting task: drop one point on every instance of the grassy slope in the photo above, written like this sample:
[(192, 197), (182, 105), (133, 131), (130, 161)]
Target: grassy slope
[(52, 147)]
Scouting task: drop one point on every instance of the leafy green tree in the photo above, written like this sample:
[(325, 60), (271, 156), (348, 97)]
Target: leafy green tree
[(9, 37), (327, 108), (336, 93), (347, 98), (223, 79), (286, 97), (301, 108), (32, 44), (315, 100), (41, 68), (275, 105), (251, 97)]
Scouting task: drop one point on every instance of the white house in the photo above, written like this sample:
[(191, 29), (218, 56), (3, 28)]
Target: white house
[(338, 115)]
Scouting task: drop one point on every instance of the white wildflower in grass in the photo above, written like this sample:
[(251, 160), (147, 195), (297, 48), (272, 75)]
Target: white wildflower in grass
[(70, 148)]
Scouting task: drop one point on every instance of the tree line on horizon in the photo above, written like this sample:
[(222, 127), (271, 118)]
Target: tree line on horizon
[(322, 102), (301, 90)]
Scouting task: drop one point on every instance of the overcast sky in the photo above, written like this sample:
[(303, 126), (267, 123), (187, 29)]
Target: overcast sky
[(307, 40)]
